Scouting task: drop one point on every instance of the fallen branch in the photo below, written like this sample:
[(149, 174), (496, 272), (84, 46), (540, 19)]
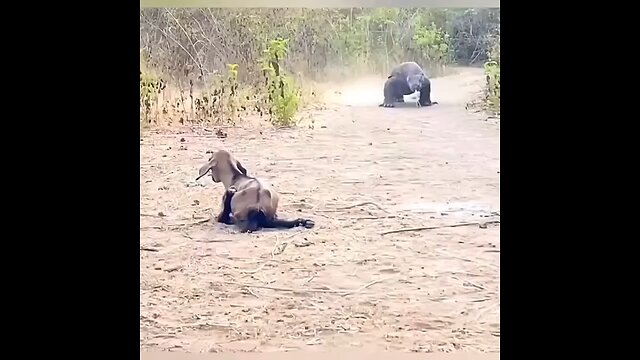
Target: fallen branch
[(203, 221), (474, 285), (355, 205), (486, 310), (174, 226), (159, 215), (326, 291), (277, 250), (175, 268), (156, 227), (142, 248), (214, 240), (480, 225), (375, 217), (362, 204), (363, 287), (254, 271)]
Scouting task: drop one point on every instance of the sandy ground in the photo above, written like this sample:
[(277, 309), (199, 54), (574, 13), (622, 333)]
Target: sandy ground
[(360, 171)]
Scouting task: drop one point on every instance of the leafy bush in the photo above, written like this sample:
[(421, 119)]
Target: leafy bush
[(282, 97), (193, 49), (150, 89), (492, 72), (220, 101), (433, 43)]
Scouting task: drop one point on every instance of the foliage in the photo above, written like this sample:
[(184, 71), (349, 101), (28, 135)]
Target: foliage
[(282, 96), (433, 43), (492, 72), (150, 89), (473, 32), (192, 49), (220, 101)]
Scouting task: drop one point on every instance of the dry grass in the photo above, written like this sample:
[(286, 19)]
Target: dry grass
[(360, 172)]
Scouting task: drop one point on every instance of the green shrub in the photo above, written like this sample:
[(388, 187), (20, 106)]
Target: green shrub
[(282, 96), (150, 88), (219, 102), (492, 72), (433, 42)]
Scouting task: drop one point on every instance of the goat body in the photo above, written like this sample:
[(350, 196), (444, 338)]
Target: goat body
[(247, 202)]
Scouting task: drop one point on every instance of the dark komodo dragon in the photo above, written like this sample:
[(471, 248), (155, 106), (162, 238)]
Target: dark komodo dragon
[(406, 79)]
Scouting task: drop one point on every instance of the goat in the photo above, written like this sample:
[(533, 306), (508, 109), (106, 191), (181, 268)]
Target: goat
[(247, 202)]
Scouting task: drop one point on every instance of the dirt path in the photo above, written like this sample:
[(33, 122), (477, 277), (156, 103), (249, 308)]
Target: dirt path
[(207, 288)]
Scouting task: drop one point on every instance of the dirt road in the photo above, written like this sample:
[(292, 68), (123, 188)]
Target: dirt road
[(360, 171)]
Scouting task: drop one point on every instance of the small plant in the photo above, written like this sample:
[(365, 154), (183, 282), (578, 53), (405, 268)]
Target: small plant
[(323, 45), (232, 98), (492, 72), (492, 95), (434, 45), (150, 89), (282, 96), (221, 101)]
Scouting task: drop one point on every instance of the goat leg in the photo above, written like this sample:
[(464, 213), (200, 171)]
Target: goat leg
[(225, 215), (288, 224)]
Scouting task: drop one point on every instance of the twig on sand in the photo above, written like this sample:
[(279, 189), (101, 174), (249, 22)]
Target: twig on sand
[(474, 285), (214, 240), (172, 269), (159, 215), (248, 290), (302, 291), (375, 217), (482, 225), (142, 248), (254, 271), (486, 310), (175, 226), (277, 250), (363, 287), (362, 204), (356, 205), (156, 227), (203, 221)]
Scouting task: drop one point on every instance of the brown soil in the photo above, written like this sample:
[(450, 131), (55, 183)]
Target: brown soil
[(360, 171)]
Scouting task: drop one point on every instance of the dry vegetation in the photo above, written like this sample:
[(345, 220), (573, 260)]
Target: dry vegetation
[(242, 79), (219, 65)]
